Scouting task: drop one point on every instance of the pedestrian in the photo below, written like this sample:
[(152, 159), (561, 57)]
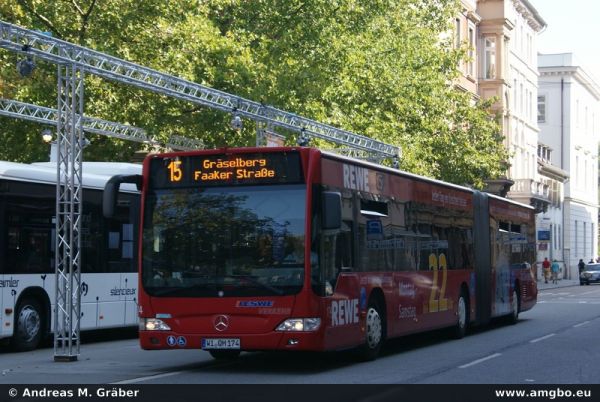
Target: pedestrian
[(546, 269), (591, 261), (581, 265), (555, 269)]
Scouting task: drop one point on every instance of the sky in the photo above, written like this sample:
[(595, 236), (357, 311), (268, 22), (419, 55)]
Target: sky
[(573, 27)]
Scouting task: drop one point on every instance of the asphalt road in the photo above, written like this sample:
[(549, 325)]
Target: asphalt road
[(555, 343)]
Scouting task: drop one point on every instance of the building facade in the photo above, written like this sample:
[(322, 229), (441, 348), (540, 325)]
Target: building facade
[(508, 72), (569, 119)]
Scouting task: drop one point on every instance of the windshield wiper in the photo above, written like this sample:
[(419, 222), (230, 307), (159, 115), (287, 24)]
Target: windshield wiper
[(254, 280), (177, 290)]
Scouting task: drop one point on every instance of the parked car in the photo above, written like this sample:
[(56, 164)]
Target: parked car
[(590, 274)]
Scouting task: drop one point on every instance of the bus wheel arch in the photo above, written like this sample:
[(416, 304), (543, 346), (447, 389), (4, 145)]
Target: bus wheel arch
[(31, 320), (375, 326)]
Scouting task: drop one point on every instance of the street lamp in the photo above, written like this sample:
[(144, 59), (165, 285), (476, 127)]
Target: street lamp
[(47, 136), (303, 139), (236, 122), (26, 66)]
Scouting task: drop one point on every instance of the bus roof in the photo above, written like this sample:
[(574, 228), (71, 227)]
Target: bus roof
[(95, 174), (418, 177)]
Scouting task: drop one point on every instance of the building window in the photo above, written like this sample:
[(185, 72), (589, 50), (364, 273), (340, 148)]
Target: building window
[(529, 96), (592, 239), (522, 38), (576, 238), (457, 37), (577, 173), (521, 96), (544, 152), (471, 65), (541, 118), (584, 239), (515, 92), (489, 61)]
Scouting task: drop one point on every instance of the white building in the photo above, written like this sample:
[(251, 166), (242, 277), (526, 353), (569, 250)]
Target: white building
[(569, 118), (508, 61)]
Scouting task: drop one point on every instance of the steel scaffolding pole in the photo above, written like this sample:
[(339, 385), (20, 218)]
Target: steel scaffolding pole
[(67, 312)]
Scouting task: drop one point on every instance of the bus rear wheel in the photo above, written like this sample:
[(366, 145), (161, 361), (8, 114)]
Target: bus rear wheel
[(224, 354), (515, 307), (374, 333), (462, 316), (29, 324)]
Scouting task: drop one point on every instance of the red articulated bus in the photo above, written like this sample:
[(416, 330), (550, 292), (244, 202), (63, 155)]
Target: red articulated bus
[(293, 248)]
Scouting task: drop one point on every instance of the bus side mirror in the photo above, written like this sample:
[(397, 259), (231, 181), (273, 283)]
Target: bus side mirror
[(111, 192), (332, 210)]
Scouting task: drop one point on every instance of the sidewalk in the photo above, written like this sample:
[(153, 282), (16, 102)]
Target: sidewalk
[(561, 284)]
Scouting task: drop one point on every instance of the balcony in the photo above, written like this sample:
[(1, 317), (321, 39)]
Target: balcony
[(498, 187), (531, 192)]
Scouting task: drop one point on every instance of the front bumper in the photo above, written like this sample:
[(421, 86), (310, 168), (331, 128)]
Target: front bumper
[(306, 341)]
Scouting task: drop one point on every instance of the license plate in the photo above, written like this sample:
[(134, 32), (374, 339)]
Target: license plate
[(221, 343)]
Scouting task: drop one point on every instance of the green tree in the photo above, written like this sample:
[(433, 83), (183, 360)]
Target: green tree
[(380, 68)]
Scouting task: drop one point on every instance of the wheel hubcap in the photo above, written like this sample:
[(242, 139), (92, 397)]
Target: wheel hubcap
[(29, 323), (373, 328)]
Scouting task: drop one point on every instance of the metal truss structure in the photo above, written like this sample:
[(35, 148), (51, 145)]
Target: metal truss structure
[(178, 142), (73, 62), (46, 115), (37, 44)]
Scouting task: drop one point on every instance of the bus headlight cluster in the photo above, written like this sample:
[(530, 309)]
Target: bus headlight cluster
[(300, 325), (153, 324)]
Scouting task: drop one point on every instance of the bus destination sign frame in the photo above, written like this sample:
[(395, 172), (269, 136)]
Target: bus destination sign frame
[(226, 169)]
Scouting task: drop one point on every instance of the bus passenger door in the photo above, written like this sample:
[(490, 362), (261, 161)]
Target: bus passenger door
[(342, 321)]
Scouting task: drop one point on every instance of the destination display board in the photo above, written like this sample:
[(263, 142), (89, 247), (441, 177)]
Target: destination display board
[(226, 170)]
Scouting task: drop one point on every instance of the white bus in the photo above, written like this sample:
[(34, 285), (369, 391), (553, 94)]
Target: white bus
[(27, 245)]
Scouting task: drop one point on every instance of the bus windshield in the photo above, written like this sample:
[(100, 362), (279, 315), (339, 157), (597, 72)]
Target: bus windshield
[(224, 241)]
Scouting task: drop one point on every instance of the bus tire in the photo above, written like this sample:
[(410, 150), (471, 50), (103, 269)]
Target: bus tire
[(513, 318), (462, 316), (224, 354), (374, 332), (29, 325)]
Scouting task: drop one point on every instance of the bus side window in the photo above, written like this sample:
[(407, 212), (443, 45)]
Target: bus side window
[(344, 251), (29, 235)]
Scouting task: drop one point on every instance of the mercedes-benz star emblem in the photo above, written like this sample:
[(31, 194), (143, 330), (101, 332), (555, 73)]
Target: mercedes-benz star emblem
[(221, 323)]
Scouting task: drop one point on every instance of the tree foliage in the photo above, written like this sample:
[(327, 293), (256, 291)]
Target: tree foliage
[(380, 68)]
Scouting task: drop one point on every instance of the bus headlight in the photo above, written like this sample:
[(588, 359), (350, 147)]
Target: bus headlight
[(153, 324), (300, 325)]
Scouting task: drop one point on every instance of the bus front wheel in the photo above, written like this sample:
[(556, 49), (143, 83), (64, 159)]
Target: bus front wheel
[(374, 333), (28, 325)]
